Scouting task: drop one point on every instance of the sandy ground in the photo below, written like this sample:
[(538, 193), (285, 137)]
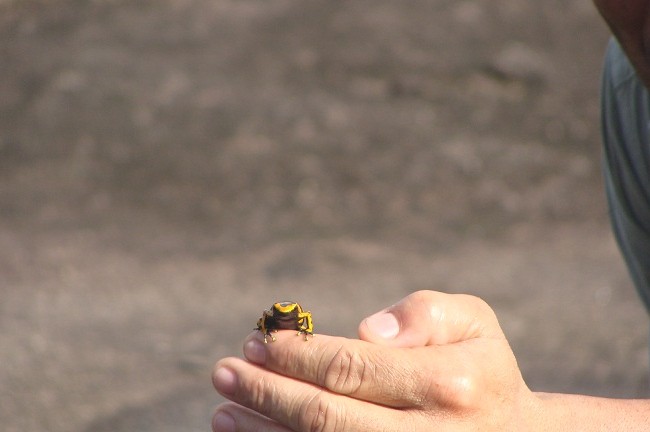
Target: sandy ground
[(168, 169)]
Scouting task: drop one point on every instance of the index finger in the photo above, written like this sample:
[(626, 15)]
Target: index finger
[(394, 377)]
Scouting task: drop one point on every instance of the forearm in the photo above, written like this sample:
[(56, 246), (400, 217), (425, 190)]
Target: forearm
[(577, 413)]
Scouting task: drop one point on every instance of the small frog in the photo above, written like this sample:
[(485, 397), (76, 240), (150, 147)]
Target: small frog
[(286, 315)]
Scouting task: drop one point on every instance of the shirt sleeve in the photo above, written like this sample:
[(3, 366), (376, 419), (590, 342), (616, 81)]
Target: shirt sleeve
[(625, 111)]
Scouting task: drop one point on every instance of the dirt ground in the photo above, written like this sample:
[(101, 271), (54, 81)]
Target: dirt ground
[(170, 168)]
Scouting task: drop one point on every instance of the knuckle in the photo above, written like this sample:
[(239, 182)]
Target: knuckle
[(260, 394), (346, 371), (465, 391), (488, 318), (424, 297), (481, 306), (459, 391), (485, 321), (319, 414)]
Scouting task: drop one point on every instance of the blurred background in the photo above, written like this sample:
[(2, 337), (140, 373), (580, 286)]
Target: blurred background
[(170, 168)]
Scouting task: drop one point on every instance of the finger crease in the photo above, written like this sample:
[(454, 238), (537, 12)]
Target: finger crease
[(341, 375)]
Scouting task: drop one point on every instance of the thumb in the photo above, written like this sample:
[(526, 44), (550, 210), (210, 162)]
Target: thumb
[(431, 318)]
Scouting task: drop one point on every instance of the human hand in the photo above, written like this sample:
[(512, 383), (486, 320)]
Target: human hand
[(432, 361)]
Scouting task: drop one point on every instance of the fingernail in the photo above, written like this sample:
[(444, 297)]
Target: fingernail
[(255, 352), (225, 380), (223, 422), (383, 324)]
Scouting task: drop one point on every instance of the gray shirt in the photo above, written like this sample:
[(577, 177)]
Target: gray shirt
[(626, 135)]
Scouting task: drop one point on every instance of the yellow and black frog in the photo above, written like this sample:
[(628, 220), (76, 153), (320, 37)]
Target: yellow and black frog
[(286, 315)]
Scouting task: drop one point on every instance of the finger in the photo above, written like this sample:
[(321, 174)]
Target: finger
[(431, 318), (230, 417), (363, 370), (298, 405)]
